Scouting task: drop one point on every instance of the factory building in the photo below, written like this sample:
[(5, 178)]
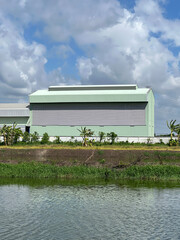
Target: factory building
[(18, 113), (61, 110)]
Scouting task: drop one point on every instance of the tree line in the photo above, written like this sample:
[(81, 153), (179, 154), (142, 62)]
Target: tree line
[(12, 134)]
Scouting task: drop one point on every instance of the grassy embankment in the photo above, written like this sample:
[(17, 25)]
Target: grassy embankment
[(160, 168), (39, 170)]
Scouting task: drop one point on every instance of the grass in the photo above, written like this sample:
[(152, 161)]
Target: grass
[(39, 170), (102, 147)]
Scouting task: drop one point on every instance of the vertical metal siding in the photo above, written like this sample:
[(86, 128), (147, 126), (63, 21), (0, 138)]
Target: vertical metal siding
[(78, 114)]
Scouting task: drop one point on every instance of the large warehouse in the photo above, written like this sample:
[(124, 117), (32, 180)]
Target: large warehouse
[(124, 109)]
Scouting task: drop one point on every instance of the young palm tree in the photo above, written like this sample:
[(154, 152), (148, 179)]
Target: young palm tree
[(85, 134), (171, 126), (177, 130)]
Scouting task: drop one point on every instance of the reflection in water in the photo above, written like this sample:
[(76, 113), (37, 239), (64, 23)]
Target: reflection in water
[(83, 210)]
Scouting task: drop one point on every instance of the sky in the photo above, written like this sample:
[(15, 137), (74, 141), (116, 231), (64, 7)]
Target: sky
[(74, 42)]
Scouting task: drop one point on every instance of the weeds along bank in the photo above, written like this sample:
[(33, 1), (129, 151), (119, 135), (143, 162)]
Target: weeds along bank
[(89, 163), (32, 156), (39, 170)]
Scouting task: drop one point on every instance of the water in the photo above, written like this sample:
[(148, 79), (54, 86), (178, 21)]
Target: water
[(78, 210)]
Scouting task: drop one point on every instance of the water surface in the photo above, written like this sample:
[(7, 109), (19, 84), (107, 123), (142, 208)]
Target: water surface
[(87, 210)]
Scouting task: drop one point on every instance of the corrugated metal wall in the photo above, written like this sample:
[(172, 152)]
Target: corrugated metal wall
[(81, 114), (14, 112)]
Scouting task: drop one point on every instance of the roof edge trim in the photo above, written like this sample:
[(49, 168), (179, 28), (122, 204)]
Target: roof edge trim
[(93, 87)]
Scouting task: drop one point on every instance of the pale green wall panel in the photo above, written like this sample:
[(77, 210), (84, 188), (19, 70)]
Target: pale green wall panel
[(121, 131), (11, 120)]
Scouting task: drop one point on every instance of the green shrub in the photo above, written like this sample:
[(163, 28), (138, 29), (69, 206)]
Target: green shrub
[(102, 161), (173, 142), (112, 137), (35, 137), (45, 138), (57, 140), (10, 134), (101, 136), (26, 138)]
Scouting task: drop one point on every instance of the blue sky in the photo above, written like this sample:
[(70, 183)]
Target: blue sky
[(92, 42)]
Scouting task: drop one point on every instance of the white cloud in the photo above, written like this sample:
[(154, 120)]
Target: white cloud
[(22, 64), (151, 14), (63, 19)]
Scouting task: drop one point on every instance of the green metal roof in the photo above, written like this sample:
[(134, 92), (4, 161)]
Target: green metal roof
[(97, 93)]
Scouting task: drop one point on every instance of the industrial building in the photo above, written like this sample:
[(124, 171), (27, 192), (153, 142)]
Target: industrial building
[(61, 110), (17, 113)]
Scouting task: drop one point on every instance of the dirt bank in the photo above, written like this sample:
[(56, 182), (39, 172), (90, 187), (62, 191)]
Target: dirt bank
[(90, 157)]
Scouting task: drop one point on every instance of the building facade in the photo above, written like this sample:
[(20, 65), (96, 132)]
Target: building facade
[(61, 110), (17, 113)]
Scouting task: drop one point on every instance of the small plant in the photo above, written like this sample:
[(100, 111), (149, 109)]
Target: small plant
[(149, 141), (35, 137), (173, 142), (112, 137), (100, 152), (45, 138), (146, 154), (26, 138), (101, 136), (72, 138), (57, 140), (102, 161)]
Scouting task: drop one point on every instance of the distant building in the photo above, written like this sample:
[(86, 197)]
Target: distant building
[(61, 110), (15, 113)]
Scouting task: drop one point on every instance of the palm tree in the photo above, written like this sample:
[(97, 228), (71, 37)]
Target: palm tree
[(10, 134), (85, 134), (171, 126), (177, 130)]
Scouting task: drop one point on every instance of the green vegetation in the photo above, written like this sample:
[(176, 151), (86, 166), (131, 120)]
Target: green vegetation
[(13, 136), (10, 134), (112, 137), (101, 136), (174, 128), (171, 125), (177, 130), (26, 138), (34, 137), (86, 134), (38, 170), (45, 139)]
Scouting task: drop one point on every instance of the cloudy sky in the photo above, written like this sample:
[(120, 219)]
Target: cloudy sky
[(64, 42)]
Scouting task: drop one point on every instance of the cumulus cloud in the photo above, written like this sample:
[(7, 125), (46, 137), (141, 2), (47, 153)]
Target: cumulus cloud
[(63, 19), (151, 14), (21, 65)]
